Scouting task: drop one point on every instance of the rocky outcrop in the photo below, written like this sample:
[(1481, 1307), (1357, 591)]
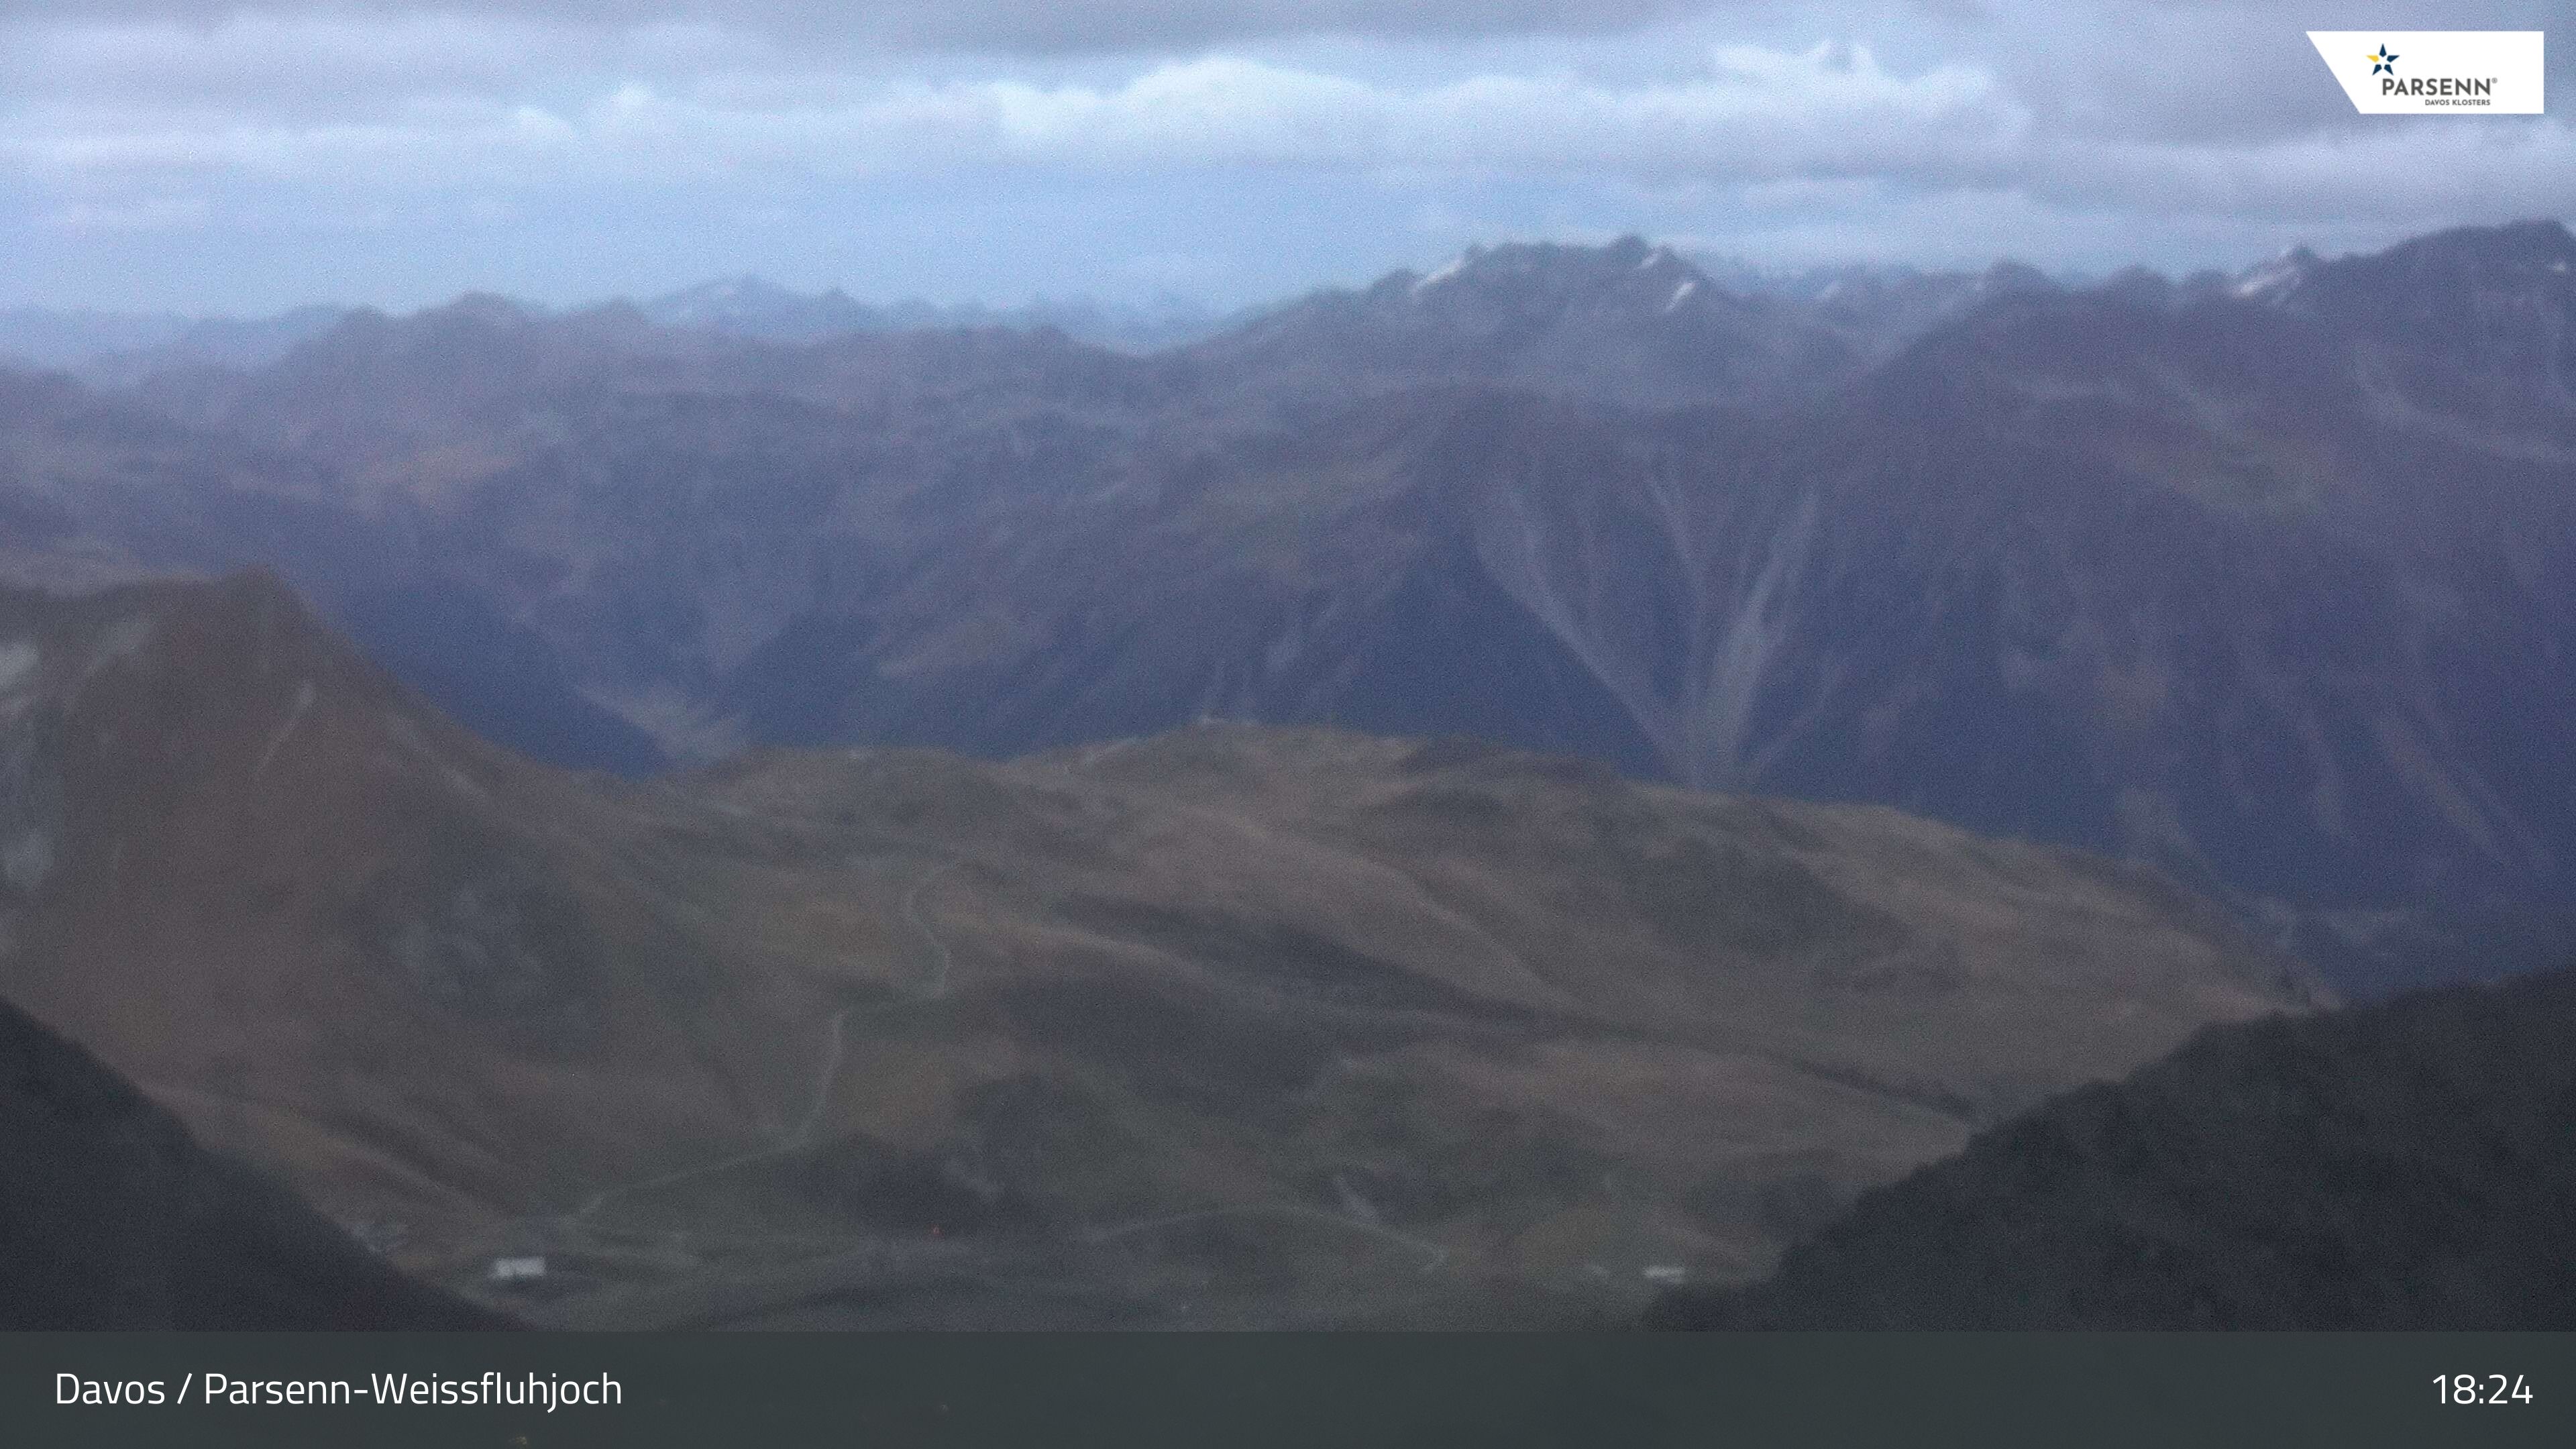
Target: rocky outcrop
[(2399, 1167)]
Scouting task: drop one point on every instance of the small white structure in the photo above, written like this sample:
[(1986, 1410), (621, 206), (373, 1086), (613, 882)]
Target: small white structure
[(519, 1270), (1667, 1275)]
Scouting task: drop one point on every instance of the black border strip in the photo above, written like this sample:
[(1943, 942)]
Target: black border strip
[(1034, 1391)]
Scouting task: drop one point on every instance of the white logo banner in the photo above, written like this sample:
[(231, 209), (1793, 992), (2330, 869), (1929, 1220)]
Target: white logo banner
[(2440, 72)]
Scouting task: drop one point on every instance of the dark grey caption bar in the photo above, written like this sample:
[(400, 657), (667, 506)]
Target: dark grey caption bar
[(1346, 1391)]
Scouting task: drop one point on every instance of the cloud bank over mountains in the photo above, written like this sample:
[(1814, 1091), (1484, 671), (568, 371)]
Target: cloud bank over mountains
[(2188, 133)]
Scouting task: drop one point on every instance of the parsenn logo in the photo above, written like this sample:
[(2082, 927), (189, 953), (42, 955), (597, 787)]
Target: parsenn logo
[(2447, 72)]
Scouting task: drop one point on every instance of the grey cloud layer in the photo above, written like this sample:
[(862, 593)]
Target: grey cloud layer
[(2116, 107), (1000, 25), (1750, 114)]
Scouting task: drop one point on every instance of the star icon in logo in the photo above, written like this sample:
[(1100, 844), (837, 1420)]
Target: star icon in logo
[(2382, 60)]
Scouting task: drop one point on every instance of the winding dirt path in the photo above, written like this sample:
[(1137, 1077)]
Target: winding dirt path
[(827, 1075), (797, 1138), (940, 954)]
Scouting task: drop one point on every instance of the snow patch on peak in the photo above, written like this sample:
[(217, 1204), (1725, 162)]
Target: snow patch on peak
[(1439, 275), (1682, 293), (2276, 278)]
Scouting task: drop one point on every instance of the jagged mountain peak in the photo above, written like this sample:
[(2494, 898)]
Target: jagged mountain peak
[(1628, 322), (2008, 277), (471, 320), (754, 306), (2538, 254), (2485, 315), (487, 309), (2533, 242), (2272, 281), (1553, 274), (202, 686)]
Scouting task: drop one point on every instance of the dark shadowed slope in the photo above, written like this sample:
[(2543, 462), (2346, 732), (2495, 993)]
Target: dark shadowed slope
[(112, 1218), (2403, 1166)]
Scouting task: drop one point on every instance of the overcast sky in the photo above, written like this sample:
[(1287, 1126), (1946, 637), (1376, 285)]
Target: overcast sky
[(213, 157)]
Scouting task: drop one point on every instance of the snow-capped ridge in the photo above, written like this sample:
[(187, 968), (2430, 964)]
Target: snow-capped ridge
[(1444, 272), (2276, 279)]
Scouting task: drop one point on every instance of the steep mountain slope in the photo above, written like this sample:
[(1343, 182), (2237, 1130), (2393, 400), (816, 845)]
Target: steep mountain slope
[(2210, 582), (2469, 326), (1230, 1025), (1879, 309), (2179, 581), (97, 491), (2263, 581), (111, 1218), (1626, 324), (248, 870), (2402, 1166)]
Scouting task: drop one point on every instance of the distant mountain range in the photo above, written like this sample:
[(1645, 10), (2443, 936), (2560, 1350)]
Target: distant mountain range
[(1231, 1025), (122, 348), (2261, 578), (1874, 307), (2399, 1167), (750, 307)]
